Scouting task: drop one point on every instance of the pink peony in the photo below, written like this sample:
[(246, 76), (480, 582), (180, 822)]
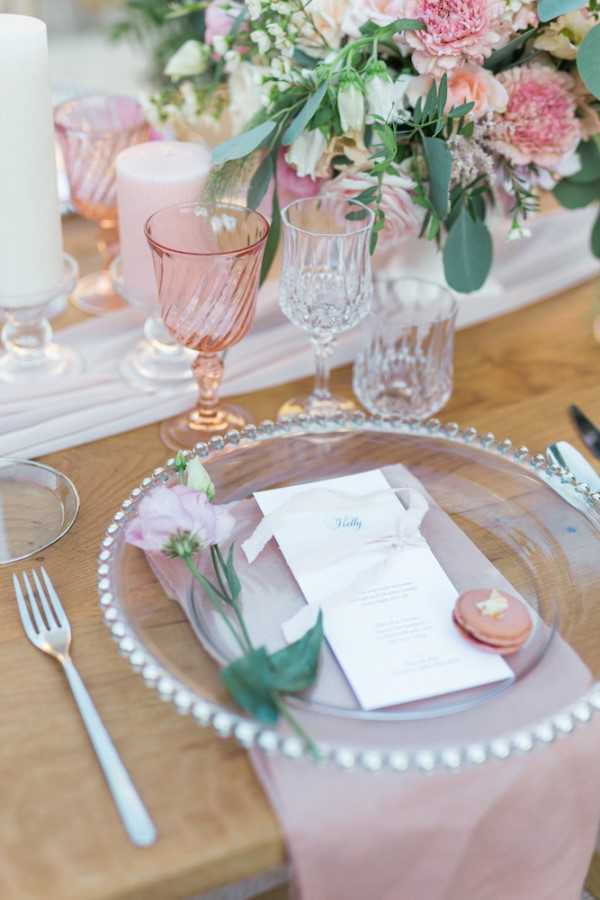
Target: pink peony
[(456, 31), (382, 12), (539, 125), (218, 20), (466, 84), (403, 218), (169, 510)]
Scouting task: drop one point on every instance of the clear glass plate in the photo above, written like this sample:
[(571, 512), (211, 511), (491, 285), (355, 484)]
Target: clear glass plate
[(499, 497), (38, 505)]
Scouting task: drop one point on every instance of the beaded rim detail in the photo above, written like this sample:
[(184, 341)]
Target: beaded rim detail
[(251, 733)]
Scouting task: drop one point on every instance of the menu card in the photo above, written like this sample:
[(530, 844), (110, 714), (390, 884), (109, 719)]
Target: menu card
[(387, 610)]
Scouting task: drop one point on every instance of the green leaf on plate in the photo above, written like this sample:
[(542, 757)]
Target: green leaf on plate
[(439, 164), (551, 9), (295, 667), (596, 237), (259, 184), (242, 144), (467, 253), (248, 680), (588, 61), (299, 123), (231, 575), (575, 195), (273, 239)]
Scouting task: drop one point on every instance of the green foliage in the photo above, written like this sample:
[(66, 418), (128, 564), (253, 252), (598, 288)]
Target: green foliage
[(274, 234), (467, 253), (294, 668), (303, 118), (574, 195), (260, 182), (589, 154), (439, 165), (595, 242), (509, 54), (242, 145), (588, 61), (550, 9)]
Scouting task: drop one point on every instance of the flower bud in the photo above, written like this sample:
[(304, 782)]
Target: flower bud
[(198, 478), (380, 92), (191, 59), (351, 103)]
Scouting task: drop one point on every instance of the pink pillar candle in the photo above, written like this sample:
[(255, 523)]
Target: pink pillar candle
[(149, 177)]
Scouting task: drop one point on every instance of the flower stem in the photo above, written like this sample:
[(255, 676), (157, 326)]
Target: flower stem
[(219, 565), (214, 597), (296, 727)]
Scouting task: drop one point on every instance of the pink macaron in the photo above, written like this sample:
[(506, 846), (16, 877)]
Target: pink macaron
[(493, 620)]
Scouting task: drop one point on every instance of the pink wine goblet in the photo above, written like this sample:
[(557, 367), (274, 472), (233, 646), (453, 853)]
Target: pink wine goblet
[(207, 260), (92, 131)]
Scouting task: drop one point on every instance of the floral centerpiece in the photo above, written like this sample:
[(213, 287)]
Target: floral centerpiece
[(429, 111)]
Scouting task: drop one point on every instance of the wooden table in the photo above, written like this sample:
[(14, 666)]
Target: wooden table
[(59, 834)]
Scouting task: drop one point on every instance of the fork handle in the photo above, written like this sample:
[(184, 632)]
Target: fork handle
[(135, 817)]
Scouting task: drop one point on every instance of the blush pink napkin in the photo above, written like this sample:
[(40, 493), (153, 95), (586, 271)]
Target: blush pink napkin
[(518, 829)]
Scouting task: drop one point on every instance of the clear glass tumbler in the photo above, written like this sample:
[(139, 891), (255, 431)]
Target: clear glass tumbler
[(406, 365), (92, 131), (207, 261), (326, 283)]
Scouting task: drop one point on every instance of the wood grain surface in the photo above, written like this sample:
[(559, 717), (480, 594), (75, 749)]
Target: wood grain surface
[(60, 838)]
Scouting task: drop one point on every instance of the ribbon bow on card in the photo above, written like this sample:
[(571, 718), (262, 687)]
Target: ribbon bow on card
[(343, 511)]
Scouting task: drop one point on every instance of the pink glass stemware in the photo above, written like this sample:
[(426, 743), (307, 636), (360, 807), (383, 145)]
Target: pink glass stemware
[(92, 131), (207, 261)]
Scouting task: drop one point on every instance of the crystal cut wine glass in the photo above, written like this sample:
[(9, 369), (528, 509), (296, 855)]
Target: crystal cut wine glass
[(92, 131), (326, 284), (207, 260)]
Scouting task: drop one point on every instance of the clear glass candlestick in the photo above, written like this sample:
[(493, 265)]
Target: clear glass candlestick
[(92, 131), (207, 261), (157, 361), (31, 353), (326, 284)]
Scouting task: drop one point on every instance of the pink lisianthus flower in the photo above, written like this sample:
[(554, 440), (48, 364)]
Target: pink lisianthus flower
[(456, 31), (466, 84), (540, 124), (382, 12), (168, 511), (403, 218)]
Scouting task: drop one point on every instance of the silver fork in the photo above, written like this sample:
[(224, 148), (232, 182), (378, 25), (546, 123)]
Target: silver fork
[(49, 630)]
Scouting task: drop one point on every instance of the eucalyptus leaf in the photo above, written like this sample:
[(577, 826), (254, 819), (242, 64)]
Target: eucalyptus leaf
[(249, 682), (439, 165), (259, 185), (551, 9), (273, 239), (467, 253), (596, 237), (589, 154), (304, 60), (242, 144), (295, 667), (299, 123), (499, 58), (458, 111), (588, 61), (575, 195)]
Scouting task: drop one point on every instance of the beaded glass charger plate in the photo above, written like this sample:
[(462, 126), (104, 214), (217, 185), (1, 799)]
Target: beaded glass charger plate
[(500, 496)]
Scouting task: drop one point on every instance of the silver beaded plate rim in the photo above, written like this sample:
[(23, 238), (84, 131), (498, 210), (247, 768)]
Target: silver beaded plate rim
[(250, 733)]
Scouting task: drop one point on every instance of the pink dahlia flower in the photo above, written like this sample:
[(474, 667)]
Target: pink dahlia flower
[(456, 31), (539, 125)]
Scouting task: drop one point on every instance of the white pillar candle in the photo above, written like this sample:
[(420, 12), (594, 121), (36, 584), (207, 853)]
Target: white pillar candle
[(149, 177), (30, 228)]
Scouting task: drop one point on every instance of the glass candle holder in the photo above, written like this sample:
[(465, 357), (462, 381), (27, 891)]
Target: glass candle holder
[(92, 131), (31, 353), (207, 260), (406, 365)]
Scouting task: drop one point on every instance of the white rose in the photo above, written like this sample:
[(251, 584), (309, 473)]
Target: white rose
[(306, 151), (191, 59), (245, 93)]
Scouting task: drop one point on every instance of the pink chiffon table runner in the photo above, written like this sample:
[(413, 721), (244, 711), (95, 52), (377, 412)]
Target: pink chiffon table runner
[(521, 828)]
